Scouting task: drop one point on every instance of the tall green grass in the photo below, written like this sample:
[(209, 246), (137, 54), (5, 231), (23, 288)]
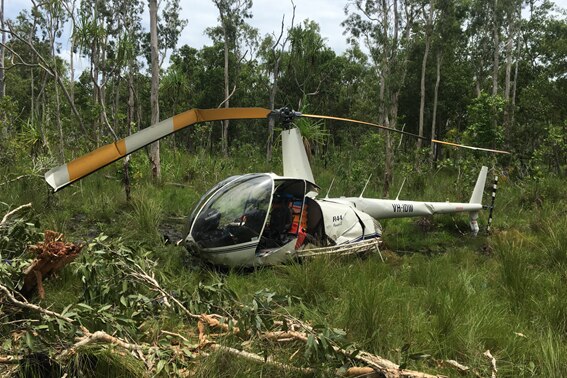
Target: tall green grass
[(440, 291)]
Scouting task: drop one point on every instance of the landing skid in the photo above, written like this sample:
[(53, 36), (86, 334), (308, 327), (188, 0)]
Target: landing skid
[(343, 249)]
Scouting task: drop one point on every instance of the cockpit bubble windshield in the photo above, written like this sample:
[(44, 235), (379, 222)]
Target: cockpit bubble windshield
[(235, 214)]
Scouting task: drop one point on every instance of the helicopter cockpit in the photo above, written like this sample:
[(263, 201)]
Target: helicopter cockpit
[(235, 214), (248, 217)]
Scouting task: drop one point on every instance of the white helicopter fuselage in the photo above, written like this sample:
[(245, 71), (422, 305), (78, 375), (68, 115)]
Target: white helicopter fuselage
[(266, 219), (258, 219)]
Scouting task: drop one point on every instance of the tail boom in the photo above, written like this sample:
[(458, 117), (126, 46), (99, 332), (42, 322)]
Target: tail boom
[(385, 209)]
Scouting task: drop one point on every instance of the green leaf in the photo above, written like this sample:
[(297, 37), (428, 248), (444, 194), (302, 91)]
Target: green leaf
[(104, 308), (160, 366), (7, 344), (29, 342), (85, 306)]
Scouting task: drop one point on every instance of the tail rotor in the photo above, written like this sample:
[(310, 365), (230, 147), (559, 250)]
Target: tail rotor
[(491, 207)]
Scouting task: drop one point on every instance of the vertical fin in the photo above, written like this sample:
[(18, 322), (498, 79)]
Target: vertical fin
[(476, 196), (295, 162)]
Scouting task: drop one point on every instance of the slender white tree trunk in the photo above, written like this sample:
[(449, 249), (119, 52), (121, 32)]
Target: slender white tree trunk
[(423, 71), (224, 139), (2, 87), (434, 116), (496, 40), (154, 154)]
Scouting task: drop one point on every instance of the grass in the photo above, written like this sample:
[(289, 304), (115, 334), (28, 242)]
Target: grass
[(440, 291)]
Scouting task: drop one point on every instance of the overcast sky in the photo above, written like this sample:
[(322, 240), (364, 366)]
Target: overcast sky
[(267, 16)]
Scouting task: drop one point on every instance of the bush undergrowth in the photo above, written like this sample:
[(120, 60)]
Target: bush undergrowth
[(439, 293)]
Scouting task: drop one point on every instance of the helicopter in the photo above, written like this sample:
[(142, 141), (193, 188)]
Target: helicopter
[(258, 219)]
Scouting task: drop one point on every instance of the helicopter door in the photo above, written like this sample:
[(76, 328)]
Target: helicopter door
[(286, 212)]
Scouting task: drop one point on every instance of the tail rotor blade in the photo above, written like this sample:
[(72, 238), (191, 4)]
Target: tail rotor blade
[(64, 175)]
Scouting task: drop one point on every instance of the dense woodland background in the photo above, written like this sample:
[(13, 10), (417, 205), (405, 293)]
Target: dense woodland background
[(484, 73)]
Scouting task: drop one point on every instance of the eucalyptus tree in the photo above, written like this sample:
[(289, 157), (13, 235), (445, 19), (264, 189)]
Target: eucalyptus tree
[(429, 14), (447, 40), (384, 27), (55, 16), (33, 44), (232, 18), (272, 51), (3, 37), (91, 36), (164, 33), (154, 96), (308, 65), (123, 50)]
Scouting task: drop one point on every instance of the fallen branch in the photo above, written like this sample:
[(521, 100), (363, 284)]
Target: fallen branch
[(17, 179), (365, 372), (10, 359), (33, 307), (97, 337), (494, 370), (12, 212), (259, 359), (150, 280), (376, 363), (460, 367)]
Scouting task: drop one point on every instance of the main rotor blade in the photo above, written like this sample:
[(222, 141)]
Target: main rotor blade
[(364, 123), (64, 175), (471, 147), (404, 133)]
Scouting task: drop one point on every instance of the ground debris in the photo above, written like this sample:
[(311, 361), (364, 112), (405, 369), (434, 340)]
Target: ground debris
[(51, 255)]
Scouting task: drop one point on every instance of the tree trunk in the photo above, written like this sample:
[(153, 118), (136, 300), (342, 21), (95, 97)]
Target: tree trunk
[(423, 71), (225, 123), (496, 40), (130, 119), (154, 99), (71, 57), (507, 86), (389, 158), (513, 101), (434, 116), (2, 49), (54, 25)]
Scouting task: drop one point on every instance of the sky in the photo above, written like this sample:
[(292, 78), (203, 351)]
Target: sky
[(267, 18)]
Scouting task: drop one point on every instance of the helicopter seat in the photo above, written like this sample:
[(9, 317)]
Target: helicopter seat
[(281, 219)]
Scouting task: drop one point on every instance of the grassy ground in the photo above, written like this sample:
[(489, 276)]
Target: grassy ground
[(440, 291)]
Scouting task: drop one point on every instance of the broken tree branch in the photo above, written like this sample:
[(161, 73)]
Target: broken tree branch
[(98, 337), (33, 307), (12, 212), (386, 367), (10, 359), (492, 360), (259, 359)]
